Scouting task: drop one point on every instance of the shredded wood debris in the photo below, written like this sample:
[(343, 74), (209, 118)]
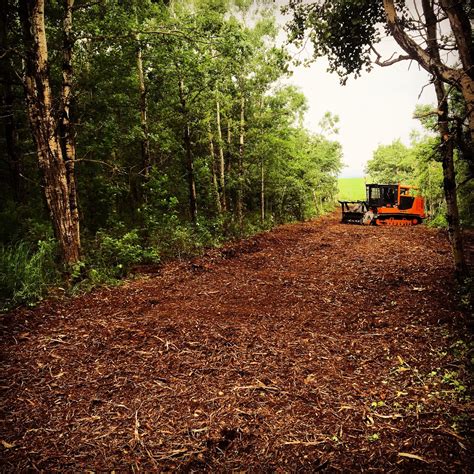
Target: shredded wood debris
[(307, 348)]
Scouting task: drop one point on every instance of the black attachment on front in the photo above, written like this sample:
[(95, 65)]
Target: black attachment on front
[(353, 211)]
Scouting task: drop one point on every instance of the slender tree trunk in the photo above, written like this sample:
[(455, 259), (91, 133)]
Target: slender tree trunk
[(229, 146), (145, 141), (240, 170), (449, 184), (7, 104), (189, 156), (11, 139), (315, 200), (66, 129), (262, 191), (215, 184), (44, 127), (262, 169), (221, 158), (447, 144), (190, 171)]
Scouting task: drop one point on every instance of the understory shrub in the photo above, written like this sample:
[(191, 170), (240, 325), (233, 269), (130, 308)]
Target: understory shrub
[(27, 273), (112, 257)]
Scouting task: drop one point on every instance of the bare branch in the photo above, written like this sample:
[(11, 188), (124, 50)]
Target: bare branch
[(431, 113), (391, 60), (113, 167), (426, 61), (423, 88)]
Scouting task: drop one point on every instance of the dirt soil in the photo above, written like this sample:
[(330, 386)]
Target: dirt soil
[(317, 346)]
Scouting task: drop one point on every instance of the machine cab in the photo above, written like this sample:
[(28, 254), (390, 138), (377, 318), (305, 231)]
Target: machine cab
[(382, 195)]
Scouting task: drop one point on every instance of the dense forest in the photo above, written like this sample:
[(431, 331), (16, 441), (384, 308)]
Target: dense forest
[(137, 130)]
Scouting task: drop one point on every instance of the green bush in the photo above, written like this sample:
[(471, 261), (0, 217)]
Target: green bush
[(26, 273), (113, 257), (439, 220)]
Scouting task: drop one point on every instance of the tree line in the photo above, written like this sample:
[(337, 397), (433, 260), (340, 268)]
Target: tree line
[(140, 128)]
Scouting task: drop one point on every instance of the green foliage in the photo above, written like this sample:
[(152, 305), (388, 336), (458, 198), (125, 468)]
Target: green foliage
[(26, 273), (114, 256), (391, 164), (341, 30), (196, 57)]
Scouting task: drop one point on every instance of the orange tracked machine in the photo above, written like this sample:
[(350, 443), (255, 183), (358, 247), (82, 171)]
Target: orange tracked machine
[(386, 204)]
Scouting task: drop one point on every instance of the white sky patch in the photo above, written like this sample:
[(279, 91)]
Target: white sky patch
[(374, 109)]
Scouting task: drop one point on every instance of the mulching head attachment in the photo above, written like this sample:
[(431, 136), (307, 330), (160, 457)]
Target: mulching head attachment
[(353, 212)]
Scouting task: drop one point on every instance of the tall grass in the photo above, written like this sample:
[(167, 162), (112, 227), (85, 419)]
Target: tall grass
[(26, 273)]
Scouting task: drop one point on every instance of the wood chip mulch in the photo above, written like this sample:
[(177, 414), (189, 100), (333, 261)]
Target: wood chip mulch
[(314, 347)]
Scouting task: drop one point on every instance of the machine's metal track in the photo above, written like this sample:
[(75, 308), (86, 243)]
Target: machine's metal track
[(397, 220)]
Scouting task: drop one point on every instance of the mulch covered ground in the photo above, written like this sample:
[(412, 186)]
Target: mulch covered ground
[(318, 346)]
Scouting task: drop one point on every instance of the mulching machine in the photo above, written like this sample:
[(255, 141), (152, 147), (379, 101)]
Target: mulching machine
[(386, 204)]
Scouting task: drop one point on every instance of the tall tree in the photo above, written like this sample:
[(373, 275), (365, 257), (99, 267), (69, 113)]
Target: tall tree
[(188, 153), (220, 147), (68, 145), (55, 164), (447, 140), (145, 141)]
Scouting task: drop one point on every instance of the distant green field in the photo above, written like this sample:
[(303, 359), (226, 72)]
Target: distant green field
[(351, 189)]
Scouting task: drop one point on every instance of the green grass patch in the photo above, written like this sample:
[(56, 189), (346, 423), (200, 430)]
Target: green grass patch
[(351, 189)]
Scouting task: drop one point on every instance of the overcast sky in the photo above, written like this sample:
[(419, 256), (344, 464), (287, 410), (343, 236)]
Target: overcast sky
[(374, 109)]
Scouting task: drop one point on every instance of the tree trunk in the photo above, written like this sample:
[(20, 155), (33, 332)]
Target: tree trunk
[(215, 184), (52, 163), (189, 156), (262, 191), (221, 158), (447, 148), (7, 104), (262, 168), (240, 169), (449, 184), (190, 172), (66, 129), (145, 141), (229, 146), (467, 89)]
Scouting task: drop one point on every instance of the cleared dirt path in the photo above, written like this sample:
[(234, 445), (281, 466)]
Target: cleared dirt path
[(316, 346)]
